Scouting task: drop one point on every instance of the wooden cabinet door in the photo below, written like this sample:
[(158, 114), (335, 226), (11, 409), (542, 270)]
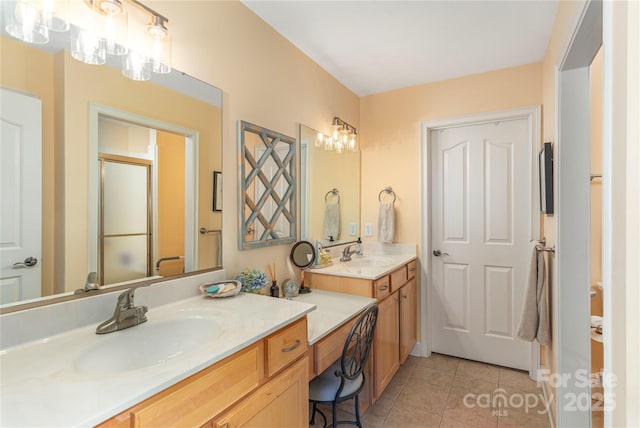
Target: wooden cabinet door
[(408, 318), (386, 357), (281, 402)]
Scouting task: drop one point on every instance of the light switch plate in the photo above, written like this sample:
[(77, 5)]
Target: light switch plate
[(368, 229), (353, 229)]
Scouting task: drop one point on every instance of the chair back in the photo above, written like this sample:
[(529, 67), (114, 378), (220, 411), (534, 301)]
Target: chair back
[(358, 344)]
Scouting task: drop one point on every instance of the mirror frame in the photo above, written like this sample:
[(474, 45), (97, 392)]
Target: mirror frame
[(249, 171), (301, 245)]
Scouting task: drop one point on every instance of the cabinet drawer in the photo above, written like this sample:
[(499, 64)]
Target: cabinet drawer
[(286, 345), (281, 402), (193, 401), (398, 278), (329, 349), (381, 287), (411, 269)]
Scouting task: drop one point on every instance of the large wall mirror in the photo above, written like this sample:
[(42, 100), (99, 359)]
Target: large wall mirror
[(122, 174), (330, 188), (267, 187)]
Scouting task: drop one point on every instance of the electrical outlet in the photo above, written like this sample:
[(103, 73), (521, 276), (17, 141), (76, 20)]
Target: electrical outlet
[(368, 229), (353, 229)]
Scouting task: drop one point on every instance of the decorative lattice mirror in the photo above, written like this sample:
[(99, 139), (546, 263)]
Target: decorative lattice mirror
[(267, 203)]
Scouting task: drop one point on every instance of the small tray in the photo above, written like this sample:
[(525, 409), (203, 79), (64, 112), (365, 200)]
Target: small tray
[(202, 288), (322, 266)]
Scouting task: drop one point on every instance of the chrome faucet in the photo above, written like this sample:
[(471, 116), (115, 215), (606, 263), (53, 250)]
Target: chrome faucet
[(91, 284), (126, 314), (347, 253)]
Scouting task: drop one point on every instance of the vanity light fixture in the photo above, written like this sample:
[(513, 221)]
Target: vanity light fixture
[(343, 137), (104, 32)]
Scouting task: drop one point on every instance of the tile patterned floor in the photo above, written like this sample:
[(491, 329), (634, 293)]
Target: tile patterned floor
[(442, 391)]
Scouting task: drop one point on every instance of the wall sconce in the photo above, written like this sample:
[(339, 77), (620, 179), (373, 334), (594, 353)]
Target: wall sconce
[(103, 30), (343, 137)]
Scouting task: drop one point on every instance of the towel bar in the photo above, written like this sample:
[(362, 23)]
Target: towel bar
[(547, 249), (334, 192), (388, 190)]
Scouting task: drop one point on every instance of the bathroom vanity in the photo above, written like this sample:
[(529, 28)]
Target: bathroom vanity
[(387, 273), (191, 364), (241, 361)]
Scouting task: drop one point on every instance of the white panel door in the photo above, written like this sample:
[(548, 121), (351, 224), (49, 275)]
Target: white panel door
[(21, 200), (481, 217)]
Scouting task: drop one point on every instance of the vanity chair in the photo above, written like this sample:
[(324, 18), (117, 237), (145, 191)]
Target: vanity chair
[(344, 379)]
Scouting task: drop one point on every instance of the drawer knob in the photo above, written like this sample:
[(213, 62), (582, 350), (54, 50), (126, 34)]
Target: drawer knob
[(384, 287), (291, 348)]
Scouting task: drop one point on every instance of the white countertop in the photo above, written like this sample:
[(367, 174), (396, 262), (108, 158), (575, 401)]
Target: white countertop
[(379, 259), (332, 311), (41, 384)]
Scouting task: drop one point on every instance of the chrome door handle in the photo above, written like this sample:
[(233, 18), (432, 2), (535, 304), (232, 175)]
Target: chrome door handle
[(28, 262), (439, 253)]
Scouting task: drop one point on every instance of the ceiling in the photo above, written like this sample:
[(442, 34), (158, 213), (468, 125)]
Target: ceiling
[(377, 46)]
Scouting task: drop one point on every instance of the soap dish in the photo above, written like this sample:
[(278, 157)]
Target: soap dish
[(322, 266), (237, 286)]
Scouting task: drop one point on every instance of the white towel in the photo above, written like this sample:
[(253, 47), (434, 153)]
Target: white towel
[(534, 321), (331, 219), (386, 222)]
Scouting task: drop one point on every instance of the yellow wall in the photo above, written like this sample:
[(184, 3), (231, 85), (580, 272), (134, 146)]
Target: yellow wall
[(103, 85), (170, 201), (330, 170), (564, 17), (390, 134), (596, 168), (27, 75), (266, 81)]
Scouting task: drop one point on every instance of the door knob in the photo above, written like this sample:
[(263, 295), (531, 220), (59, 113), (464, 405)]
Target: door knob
[(439, 253), (28, 262)]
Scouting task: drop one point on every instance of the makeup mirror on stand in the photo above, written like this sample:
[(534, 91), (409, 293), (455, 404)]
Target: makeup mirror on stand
[(302, 256)]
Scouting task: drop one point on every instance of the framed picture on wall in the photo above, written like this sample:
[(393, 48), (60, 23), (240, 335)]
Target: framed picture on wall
[(217, 191), (545, 174)]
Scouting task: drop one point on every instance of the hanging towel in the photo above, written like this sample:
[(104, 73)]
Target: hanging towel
[(386, 222), (331, 219), (534, 321)]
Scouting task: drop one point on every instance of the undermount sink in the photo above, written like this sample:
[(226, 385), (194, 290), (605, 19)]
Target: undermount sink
[(151, 343), (368, 262)]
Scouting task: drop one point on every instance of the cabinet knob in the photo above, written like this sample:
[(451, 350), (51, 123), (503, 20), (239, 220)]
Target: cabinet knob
[(384, 287)]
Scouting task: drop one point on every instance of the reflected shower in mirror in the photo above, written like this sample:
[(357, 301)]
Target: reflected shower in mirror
[(267, 202), (321, 172), (67, 181)]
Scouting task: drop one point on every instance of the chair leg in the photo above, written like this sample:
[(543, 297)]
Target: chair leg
[(313, 415), (358, 412), (335, 414)]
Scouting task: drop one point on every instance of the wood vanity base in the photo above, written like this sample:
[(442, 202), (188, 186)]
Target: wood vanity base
[(261, 382)]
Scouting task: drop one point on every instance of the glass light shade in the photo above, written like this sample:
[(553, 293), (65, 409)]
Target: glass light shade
[(335, 128), (353, 141), (160, 52), (56, 14), (339, 146), (328, 143), (319, 142), (344, 135), (136, 66), (87, 47), (25, 21), (114, 21)]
